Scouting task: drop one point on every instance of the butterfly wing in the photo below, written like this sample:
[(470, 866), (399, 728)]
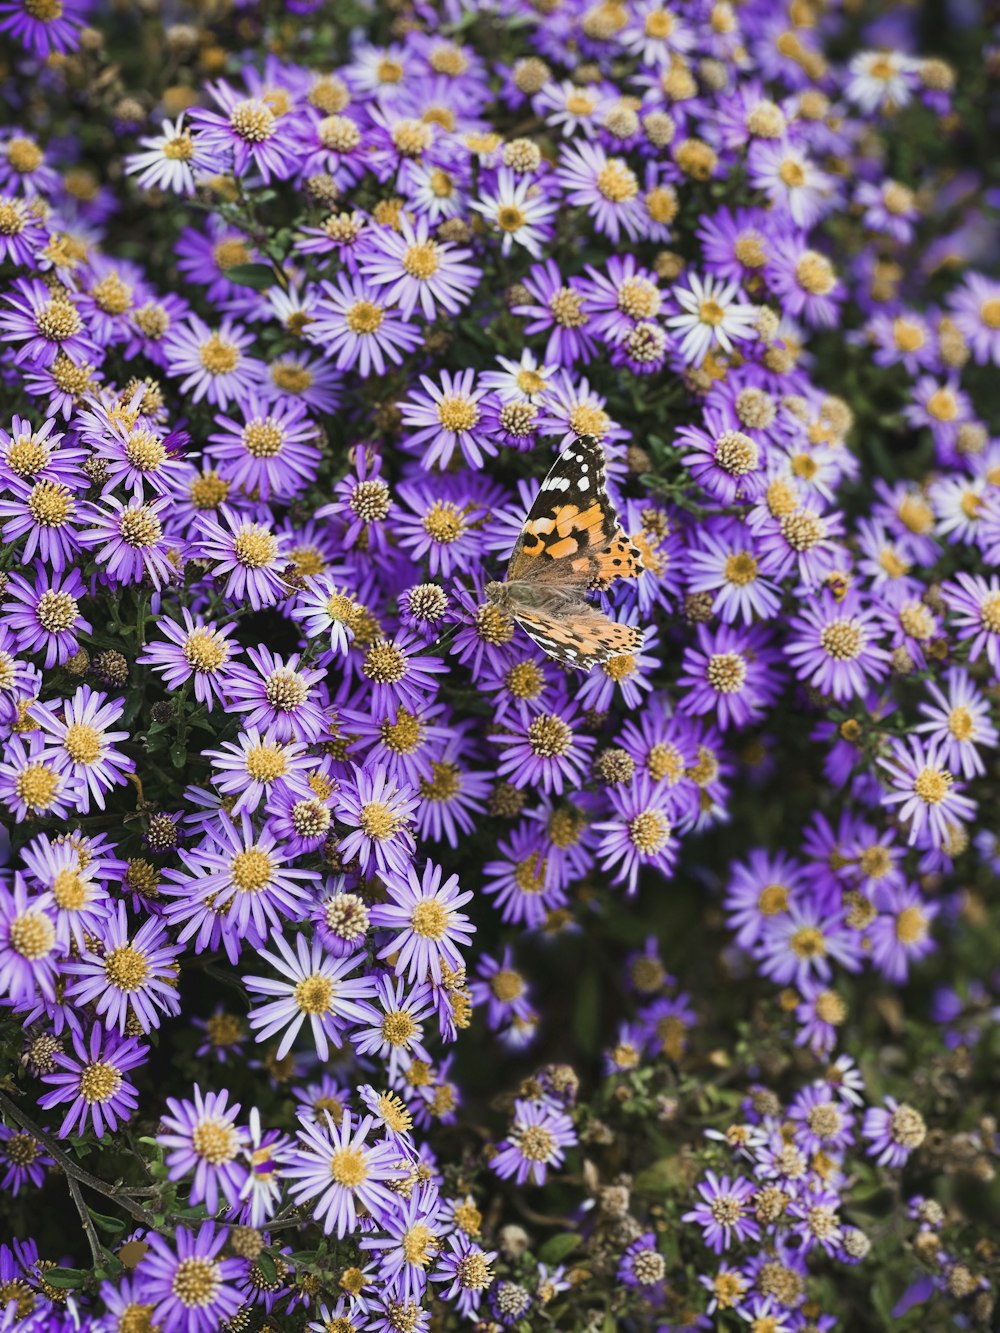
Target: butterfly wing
[(581, 637), (572, 534)]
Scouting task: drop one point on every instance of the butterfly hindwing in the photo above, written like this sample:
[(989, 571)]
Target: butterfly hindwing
[(581, 638)]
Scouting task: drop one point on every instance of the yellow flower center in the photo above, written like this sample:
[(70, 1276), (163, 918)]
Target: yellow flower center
[(808, 942), (536, 1143), (348, 1167), (24, 155), (36, 786), (56, 611), (204, 650), (456, 413), (726, 672), (255, 547), (989, 313), (911, 926), (195, 1282), (313, 994), (218, 356), (430, 920), (792, 174), (364, 317), (180, 148), (82, 743), (263, 439), (251, 870), (126, 968), (99, 1082), (378, 821), (932, 785), (50, 504), (32, 935), (253, 120), (815, 274), (649, 831), (421, 260), (112, 295), (773, 900), (942, 405), (443, 522), (57, 320), (215, 1141)]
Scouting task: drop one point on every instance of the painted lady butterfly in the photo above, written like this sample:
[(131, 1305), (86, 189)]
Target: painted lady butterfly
[(571, 543)]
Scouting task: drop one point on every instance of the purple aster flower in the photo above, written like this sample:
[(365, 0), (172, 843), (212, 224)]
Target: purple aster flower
[(958, 722), (213, 362), (93, 1079), (605, 186), (129, 540), (393, 1027), (29, 946), (726, 1211), (271, 451), (400, 674), (537, 1140), (725, 461), (23, 1160), (312, 985), (451, 797), (822, 1123), (83, 747), (893, 1131), (441, 525), (47, 323), (793, 535), (45, 615), (22, 235), (202, 1139), (429, 928), (519, 210), (411, 1241), (731, 673), (640, 833), (248, 134), (527, 883), (250, 554), (558, 307), (198, 650), (447, 417), (801, 943), (251, 884), (337, 1168), (256, 767), (43, 512), (925, 791), (501, 988), (279, 696), (805, 282), (545, 751), (189, 1287), (975, 307), (835, 648), (795, 186), (642, 1264), (975, 603), (466, 1269), (44, 31), (418, 269), (724, 563), (819, 1015), (32, 782), (133, 978), (900, 934), (377, 814), (355, 324)]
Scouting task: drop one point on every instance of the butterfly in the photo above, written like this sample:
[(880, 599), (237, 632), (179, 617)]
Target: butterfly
[(571, 544)]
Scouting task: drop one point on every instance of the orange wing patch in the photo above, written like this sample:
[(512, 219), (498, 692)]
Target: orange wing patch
[(574, 524)]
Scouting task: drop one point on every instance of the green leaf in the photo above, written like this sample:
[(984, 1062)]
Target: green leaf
[(556, 1248), (660, 1178), (64, 1277), (178, 754), (265, 1264), (258, 276), (112, 1224)]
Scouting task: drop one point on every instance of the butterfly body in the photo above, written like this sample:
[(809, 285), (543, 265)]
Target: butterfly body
[(571, 544)]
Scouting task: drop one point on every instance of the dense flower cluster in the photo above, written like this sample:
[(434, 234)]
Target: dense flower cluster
[(298, 815)]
